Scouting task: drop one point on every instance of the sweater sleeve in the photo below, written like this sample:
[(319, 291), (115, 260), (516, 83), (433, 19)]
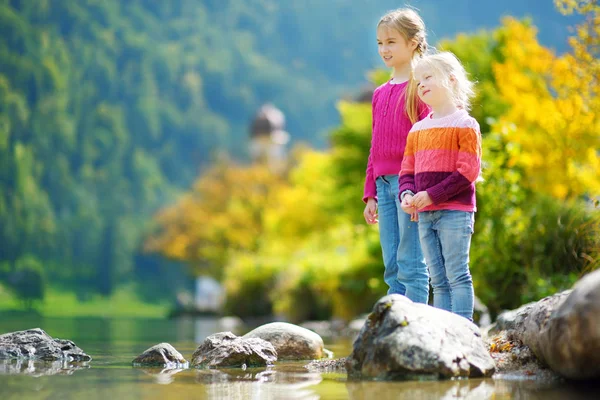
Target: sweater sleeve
[(407, 171), (370, 189), (468, 165)]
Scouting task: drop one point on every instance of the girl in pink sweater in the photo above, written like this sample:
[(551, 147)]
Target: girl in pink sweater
[(396, 107)]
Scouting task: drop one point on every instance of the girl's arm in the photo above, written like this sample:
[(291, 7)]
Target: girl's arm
[(370, 189), (468, 165)]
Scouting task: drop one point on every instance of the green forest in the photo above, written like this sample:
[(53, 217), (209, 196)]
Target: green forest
[(109, 109), (112, 110)]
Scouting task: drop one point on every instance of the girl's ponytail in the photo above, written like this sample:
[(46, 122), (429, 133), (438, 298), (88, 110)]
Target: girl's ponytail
[(412, 99)]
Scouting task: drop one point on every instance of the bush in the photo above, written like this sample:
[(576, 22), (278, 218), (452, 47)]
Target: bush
[(249, 282), (533, 251), (335, 274), (27, 280)]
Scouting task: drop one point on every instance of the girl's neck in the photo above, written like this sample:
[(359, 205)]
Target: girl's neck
[(402, 73), (443, 110)]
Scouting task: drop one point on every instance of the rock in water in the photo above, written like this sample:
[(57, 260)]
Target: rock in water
[(562, 330), (406, 340), (292, 342), (35, 344), (162, 354), (228, 350)]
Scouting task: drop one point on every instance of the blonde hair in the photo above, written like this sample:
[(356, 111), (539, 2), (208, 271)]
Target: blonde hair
[(451, 75), (410, 25)]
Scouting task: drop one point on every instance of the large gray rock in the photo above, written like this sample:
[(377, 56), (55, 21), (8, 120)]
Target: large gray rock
[(562, 331), (36, 344), (517, 321), (569, 338), (402, 339), (228, 350), (292, 342), (537, 317), (162, 354), (507, 337)]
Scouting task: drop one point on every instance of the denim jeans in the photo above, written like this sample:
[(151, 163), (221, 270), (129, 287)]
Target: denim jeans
[(405, 269), (446, 240)]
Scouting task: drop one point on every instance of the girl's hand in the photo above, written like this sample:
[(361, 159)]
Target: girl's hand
[(407, 207), (370, 212), (421, 200)]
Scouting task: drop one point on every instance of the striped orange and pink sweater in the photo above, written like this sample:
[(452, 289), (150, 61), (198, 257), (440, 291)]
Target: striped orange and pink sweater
[(443, 157)]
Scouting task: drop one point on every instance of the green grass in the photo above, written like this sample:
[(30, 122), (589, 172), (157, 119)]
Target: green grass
[(7, 300), (122, 303)]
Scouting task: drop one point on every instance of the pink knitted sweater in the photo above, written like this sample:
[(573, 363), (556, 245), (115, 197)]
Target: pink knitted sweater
[(390, 130)]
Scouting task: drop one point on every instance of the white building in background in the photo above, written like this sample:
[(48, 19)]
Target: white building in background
[(268, 137), (209, 295)]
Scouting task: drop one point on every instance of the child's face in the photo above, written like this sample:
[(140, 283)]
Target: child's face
[(394, 50), (430, 89)]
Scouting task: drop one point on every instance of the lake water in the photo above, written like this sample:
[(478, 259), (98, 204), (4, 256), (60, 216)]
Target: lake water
[(114, 343)]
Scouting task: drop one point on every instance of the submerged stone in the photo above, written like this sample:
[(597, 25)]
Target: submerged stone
[(163, 355)]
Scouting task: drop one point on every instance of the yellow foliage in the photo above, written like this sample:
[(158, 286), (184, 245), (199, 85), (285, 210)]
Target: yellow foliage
[(553, 124), (299, 208), (224, 213), (316, 266), (354, 115), (500, 345)]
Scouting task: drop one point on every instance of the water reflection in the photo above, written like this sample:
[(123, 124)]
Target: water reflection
[(536, 390), (39, 368), (162, 376), (258, 384), (474, 389), (204, 327)]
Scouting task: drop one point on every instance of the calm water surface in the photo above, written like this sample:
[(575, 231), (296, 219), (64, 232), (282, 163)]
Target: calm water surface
[(114, 343)]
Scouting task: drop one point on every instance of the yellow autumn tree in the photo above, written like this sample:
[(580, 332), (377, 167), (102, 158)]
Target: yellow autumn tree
[(321, 251), (585, 57), (302, 207), (222, 214), (553, 122)]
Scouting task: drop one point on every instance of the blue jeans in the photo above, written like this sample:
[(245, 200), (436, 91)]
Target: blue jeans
[(446, 240), (405, 269)]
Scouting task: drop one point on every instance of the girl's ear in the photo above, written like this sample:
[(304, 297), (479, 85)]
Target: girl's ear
[(413, 44)]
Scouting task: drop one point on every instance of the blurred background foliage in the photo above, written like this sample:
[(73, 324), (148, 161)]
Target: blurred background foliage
[(124, 167)]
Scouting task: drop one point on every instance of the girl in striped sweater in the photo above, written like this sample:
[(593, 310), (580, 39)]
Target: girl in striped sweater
[(441, 164)]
